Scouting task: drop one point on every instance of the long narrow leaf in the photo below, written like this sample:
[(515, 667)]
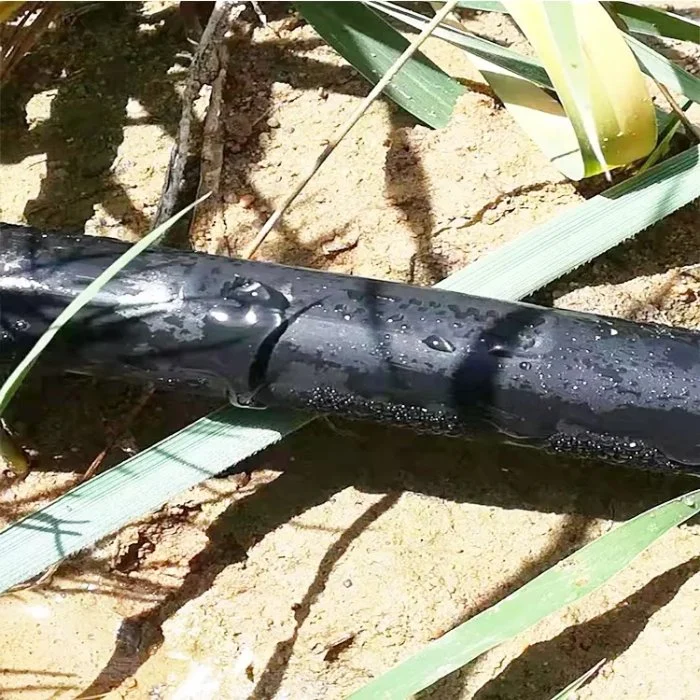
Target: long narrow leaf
[(665, 71), (567, 582), (524, 66), (649, 21), (652, 62), (372, 46), (137, 486), (652, 21), (14, 381), (564, 242)]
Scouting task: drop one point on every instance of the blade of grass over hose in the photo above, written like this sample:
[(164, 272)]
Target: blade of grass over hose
[(372, 46), (14, 381), (580, 234), (567, 582)]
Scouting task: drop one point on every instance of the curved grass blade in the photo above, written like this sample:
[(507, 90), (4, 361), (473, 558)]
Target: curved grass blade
[(665, 71), (14, 381), (565, 583), (372, 46), (524, 66), (661, 24)]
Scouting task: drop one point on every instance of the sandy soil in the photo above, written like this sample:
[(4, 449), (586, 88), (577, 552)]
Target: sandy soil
[(339, 553)]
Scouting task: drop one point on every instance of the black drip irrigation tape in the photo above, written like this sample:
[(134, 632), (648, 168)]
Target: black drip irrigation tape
[(431, 360)]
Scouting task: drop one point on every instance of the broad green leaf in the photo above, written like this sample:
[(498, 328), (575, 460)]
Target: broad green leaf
[(14, 381), (652, 62), (597, 80), (567, 582), (372, 46), (652, 21), (568, 692)]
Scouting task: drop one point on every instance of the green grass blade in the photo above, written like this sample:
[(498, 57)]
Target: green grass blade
[(665, 71), (652, 21), (568, 692), (570, 580), (14, 381), (664, 144), (524, 66), (563, 30), (529, 68), (580, 234), (372, 46), (137, 486), (640, 19)]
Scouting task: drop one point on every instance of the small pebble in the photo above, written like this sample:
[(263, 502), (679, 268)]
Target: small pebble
[(273, 123), (247, 201)]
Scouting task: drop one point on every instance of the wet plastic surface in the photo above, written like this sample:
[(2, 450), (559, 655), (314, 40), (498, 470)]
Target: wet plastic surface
[(431, 360)]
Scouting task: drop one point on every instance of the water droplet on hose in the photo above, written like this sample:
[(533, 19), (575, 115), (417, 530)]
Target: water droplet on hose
[(525, 365), (689, 501), (435, 342), (500, 351), (395, 317)]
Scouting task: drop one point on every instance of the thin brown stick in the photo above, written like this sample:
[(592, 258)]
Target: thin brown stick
[(682, 116), (25, 35), (345, 128), (205, 68)]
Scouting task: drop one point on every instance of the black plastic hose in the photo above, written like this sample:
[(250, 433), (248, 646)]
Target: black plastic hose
[(431, 360)]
